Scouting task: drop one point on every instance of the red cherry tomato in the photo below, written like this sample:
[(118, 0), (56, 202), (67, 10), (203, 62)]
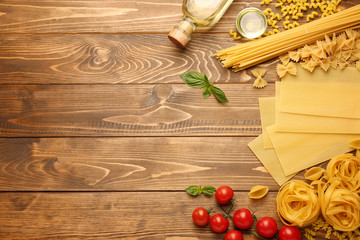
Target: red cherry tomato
[(223, 194), (200, 216), (233, 235), (289, 233), (218, 223), (266, 227), (243, 218)]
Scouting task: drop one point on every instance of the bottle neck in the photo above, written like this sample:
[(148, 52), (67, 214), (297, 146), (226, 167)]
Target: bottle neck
[(187, 26)]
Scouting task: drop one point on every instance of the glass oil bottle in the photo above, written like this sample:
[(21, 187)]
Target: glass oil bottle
[(197, 13)]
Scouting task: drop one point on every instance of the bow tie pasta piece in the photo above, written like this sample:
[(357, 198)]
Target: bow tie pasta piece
[(295, 55), (285, 59), (258, 73), (282, 70)]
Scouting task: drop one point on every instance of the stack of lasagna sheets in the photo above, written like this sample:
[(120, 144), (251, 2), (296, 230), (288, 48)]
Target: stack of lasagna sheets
[(312, 118)]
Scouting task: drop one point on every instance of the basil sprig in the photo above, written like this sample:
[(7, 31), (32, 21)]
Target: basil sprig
[(199, 80), (197, 190)]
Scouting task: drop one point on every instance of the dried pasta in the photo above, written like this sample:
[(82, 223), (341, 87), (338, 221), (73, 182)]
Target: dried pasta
[(244, 55), (258, 192), (356, 145), (346, 168), (258, 73), (234, 35), (314, 173), (297, 204), (336, 52), (282, 70), (340, 206)]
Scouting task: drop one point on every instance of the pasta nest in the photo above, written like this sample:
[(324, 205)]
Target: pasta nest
[(340, 207), (345, 167), (297, 204)]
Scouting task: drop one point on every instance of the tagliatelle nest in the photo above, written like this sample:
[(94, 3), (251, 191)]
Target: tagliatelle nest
[(297, 204)]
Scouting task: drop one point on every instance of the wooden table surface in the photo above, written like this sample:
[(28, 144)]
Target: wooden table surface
[(100, 136)]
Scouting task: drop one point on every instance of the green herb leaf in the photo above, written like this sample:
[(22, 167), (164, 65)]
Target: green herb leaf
[(207, 92), (199, 80), (195, 79), (193, 190), (219, 94), (208, 190)]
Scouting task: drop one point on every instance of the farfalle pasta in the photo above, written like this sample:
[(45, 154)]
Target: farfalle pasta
[(282, 69), (337, 52), (297, 204), (259, 81)]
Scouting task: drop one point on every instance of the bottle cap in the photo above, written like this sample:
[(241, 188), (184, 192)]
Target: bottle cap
[(180, 35)]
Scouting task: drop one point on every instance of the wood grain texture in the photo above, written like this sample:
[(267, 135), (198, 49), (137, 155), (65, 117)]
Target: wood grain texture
[(128, 164), (108, 16), (113, 215), (112, 59), (128, 110)]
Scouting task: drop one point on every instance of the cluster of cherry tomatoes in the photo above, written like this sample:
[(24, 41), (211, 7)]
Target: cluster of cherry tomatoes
[(243, 219)]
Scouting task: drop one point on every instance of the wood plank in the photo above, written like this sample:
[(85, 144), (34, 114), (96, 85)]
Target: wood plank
[(112, 59), (120, 215), (109, 16), (128, 110), (127, 164)]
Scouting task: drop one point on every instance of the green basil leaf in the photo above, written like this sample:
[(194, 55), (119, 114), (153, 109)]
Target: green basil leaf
[(195, 79), (207, 92), (208, 190), (219, 94), (193, 190)]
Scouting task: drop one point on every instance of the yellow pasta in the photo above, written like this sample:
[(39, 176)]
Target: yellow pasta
[(297, 204), (258, 192), (259, 81), (346, 168), (267, 11), (340, 206), (285, 59), (311, 15), (234, 34), (282, 70), (314, 173), (357, 65)]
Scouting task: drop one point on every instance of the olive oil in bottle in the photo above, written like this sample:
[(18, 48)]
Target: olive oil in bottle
[(197, 13)]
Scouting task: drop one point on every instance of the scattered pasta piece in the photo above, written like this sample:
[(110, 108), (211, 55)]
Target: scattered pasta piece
[(285, 59), (258, 192), (282, 70), (314, 173), (295, 55), (357, 65), (356, 145), (297, 204), (234, 34), (259, 81)]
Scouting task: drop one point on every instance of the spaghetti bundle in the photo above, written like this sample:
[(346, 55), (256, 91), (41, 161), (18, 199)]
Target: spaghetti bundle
[(245, 55)]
